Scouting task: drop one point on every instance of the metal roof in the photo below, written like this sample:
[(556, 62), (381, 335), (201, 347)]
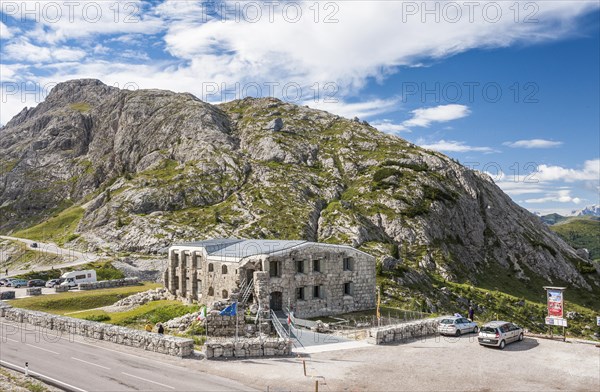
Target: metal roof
[(230, 247)]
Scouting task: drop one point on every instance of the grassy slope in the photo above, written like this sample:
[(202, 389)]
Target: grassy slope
[(58, 228), (62, 303), (581, 232), (22, 257), (153, 312)]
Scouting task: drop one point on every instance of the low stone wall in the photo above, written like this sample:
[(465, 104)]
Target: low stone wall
[(34, 291), (247, 348), (163, 344), (403, 332), (61, 289), (106, 284), (218, 325), (7, 295)]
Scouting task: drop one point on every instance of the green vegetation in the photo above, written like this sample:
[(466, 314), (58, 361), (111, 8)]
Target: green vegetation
[(58, 228), (81, 107), (104, 271), (581, 232), (62, 303), (151, 312), (20, 381), (22, 257)]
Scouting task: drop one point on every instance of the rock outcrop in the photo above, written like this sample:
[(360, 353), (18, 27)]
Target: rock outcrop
[(150, 167)]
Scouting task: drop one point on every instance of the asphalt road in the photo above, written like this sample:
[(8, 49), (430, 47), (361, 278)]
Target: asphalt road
[(77, 365), (77, 257)]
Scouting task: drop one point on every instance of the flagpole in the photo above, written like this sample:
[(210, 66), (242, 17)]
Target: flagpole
[(236, 322)]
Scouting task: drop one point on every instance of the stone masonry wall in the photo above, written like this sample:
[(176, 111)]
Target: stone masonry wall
[(163, 344), (247, 348), (403, 332), (105, 284), (331, 277), (226, 325)]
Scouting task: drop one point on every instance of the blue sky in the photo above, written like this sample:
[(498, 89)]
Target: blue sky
[(511, 88)]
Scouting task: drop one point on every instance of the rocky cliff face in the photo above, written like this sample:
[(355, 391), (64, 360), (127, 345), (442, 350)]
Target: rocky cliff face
[(152, 167)]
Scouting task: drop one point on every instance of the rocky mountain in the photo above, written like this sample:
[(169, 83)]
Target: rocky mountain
[(593, 210), (134, 171)]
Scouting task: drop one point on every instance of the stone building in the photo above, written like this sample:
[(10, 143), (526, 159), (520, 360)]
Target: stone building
[(312, 278)]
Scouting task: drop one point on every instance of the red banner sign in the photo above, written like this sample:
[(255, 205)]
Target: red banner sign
[(555, 303)]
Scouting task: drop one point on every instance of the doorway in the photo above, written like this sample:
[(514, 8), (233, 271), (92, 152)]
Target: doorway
[(276, 301)]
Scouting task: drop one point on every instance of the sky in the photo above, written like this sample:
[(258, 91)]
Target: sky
[(510, 88)]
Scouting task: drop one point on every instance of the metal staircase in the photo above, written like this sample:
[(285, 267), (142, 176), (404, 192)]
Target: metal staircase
[(246, 291)]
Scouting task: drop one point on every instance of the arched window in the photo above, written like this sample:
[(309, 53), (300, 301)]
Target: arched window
[(224, 294), (224, 269), (211, 292), (211, 268)]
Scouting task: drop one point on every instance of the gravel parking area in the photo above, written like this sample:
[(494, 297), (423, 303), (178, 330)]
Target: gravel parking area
[(21, 292), (434, 364)]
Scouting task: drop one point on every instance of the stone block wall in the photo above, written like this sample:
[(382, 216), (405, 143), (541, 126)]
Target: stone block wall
[(7, 295), (149, 341), (247, 348), (34, 291), (105, 284), (403, 332), (226, 325)]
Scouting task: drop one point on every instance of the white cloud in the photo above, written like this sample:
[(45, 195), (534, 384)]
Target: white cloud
[(5, 32), (533, 143), (389, 126), (589, 172), (23, 50), (361, 110), (560, 196), (424, 117), (454, 146)]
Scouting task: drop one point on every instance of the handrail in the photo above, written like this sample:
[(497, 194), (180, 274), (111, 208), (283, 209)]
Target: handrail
[(278, 326)]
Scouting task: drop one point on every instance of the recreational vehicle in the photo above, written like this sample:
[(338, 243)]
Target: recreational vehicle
[(73, 278)]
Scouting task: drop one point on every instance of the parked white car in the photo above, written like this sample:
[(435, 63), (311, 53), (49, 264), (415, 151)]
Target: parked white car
[(499, 334), (453, 325)]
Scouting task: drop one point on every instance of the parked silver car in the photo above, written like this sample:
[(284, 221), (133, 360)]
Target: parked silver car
[(499, 334), (453, 325)]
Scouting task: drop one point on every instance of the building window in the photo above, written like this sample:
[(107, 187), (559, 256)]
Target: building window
[(348, 264), (317, 265), (317, 291), (211, 268), (211, 292), (348, 288), (300, 266), (224, 269), (274, 269), (300, 293), (224, 294)]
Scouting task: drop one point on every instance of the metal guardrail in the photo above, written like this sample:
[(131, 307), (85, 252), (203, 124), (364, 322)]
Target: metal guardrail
[(278, 326)]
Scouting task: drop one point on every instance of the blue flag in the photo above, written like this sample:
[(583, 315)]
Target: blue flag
[(231, 310)]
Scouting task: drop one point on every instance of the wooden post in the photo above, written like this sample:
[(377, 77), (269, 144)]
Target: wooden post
[(316, 385), (304, 366)]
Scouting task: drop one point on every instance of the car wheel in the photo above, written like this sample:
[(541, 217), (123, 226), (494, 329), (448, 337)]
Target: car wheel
[(520, 337), (457, 333), (502, 345), (476, 329), (17, 286)]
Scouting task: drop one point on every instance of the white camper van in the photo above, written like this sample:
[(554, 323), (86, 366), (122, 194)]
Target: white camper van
[(73, 278)]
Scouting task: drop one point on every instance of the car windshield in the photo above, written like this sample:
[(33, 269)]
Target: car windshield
[(488, 330), (447, 321)]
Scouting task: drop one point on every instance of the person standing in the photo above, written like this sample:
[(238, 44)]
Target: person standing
[(161, 329), (471, 313), (148, 327)]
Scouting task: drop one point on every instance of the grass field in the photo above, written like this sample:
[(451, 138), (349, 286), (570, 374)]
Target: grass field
[(62, 303), (153, 312)]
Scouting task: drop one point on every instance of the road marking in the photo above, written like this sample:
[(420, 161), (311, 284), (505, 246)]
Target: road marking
[(74, 339), (12, 340), (144, 379), (90, 363), (41, 348), (43, 376)]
